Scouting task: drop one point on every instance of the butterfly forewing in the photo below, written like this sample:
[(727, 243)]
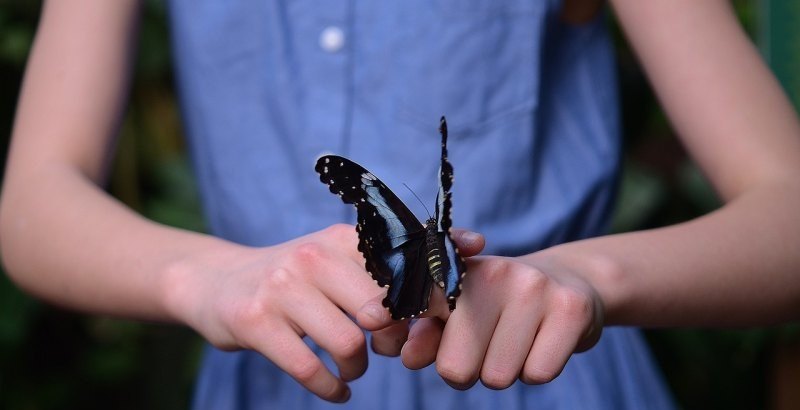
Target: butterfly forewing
[(389, 235)]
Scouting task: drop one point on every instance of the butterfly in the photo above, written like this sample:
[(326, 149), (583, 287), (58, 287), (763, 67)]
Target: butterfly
[(401, 253)]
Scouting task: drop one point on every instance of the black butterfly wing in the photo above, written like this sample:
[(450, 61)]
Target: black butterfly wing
[(409, 292), (390, 237), (454, 268)]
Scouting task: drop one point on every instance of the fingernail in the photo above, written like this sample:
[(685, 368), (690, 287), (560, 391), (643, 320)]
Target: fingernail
[(470, 237), (375, 311)]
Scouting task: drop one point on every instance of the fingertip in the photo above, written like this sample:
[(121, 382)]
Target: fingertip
[(390, 340), (338, 393), (373, 316), (344, 396), (469, 243), (414, 357), (420, 349)]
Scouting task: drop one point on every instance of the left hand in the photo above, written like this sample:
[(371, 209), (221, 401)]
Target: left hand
[(516, 318), (388, 336)]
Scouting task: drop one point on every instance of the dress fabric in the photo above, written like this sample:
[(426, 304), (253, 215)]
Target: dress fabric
[(268, 86)]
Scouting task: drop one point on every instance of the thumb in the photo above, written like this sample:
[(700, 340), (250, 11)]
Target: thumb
[(469, 243)]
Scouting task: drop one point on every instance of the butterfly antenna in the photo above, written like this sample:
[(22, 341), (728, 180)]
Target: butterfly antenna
[(420, 201)]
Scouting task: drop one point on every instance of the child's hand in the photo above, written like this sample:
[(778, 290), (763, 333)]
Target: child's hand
[(514, 320), (268, 299)]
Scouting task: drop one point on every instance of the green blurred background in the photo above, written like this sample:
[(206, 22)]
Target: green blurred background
[(55, 359)]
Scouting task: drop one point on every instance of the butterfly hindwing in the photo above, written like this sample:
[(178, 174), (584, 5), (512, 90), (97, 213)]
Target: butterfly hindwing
[(409, 293)]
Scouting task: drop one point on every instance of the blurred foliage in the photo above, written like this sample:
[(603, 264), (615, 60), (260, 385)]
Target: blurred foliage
[(779, 39), (709, 369), (54, 359), (50, 358)]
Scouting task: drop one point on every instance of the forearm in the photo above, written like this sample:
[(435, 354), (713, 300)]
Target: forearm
[(66, 241), (62, 237), (734, 267)]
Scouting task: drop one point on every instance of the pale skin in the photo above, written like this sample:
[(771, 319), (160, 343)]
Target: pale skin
[(66, 241)]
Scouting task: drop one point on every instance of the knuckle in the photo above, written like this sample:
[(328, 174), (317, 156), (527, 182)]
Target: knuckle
[(308, 253), (496, 270), (459, 378), (534, 375), (253, 311), (531, 283), (350, 343), (497, 379), (248, 315), (341, 230), (574, 303), (305, 371), (277, 281)]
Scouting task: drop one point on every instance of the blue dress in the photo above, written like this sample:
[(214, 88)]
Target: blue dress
[(268, 86)]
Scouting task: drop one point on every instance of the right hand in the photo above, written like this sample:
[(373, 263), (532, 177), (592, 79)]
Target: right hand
[(267, 299)]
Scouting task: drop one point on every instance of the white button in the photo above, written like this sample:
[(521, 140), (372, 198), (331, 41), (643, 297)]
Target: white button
[(331, 39)]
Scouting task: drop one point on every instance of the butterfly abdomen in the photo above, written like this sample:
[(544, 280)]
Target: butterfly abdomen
[(438, 263)]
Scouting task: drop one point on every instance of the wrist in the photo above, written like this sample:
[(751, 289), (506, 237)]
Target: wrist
[(190, 280), (600, 270)]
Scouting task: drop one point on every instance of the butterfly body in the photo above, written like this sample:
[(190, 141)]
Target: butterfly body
[(434, 242), (401, 253)]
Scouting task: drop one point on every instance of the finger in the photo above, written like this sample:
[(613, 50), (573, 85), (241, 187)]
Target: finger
[(423, 342), (345, 237), (346, 284), (469, 243), (510, 345), (321, 320), (553, 345), (437, 305), (373, 315), (464, 341), (389, 340), (335, 266), (286, 349)]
